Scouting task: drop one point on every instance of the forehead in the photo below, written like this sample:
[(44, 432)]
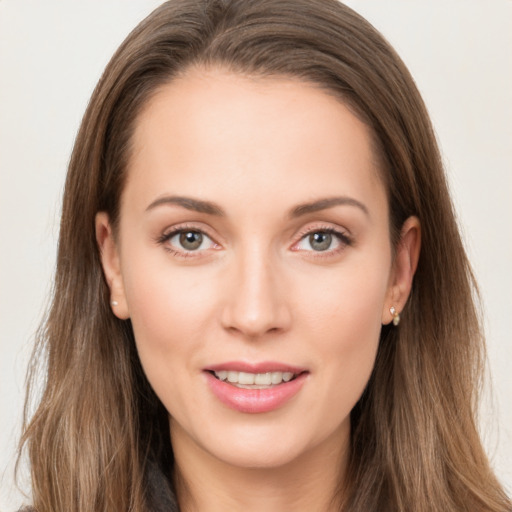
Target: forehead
[(220, 132)]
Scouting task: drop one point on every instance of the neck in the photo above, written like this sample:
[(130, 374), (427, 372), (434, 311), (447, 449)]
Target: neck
[(309, 482)]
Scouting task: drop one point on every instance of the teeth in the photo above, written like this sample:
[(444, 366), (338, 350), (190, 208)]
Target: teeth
[(246, 378), (222, 375), (263, 379), (257, 379), (277, 377)]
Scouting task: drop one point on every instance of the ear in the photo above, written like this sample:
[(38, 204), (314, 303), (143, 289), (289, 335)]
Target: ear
[(110, 262), (404, 266)]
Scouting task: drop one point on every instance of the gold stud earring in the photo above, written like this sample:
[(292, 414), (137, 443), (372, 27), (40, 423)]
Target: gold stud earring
[(395, 314)]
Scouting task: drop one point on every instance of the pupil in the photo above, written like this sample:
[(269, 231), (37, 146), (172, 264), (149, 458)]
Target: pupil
[(191, 240), (320, 241)]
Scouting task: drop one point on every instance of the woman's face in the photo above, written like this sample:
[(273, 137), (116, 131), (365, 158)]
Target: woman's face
[(254, 262)]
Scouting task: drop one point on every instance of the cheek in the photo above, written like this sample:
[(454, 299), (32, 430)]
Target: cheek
[(344, 320), (169, 309), (346, 303)]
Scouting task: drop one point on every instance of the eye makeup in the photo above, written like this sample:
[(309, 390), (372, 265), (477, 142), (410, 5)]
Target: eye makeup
[(191, 241)]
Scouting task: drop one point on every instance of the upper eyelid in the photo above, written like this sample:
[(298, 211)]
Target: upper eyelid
[(323, 227), (170, 233), (179, 228), (342, 232)]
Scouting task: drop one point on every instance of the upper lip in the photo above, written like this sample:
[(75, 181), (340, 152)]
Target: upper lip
[(262, 367)]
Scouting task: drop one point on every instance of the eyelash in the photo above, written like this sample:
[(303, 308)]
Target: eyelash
[(168, 235), (342, 237)]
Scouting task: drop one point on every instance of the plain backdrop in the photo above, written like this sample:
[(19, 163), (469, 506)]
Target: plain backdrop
[(51, 55)]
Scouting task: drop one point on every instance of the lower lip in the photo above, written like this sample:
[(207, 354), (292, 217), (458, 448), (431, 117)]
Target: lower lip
[(255, 401)]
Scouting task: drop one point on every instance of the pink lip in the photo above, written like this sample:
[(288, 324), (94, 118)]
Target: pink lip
[(263, 367), (255, 401)]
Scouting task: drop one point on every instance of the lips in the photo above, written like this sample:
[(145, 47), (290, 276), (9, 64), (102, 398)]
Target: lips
[(252, 380), (255, 388)]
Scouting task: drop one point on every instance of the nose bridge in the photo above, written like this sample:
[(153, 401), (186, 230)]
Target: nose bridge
[(256, 304)]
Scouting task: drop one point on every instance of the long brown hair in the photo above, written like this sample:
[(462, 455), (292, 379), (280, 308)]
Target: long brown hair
[(98, 440)]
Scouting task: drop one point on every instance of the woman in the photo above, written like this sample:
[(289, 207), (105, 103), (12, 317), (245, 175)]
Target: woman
[(261, 299)]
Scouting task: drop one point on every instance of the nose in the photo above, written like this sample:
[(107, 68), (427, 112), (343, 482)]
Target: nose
[(256, 301)]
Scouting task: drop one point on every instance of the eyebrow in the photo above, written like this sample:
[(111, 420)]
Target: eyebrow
[(323, 204), (189, 203), (211, 208)]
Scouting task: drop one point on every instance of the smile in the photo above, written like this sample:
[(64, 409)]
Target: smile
[(253, 389), (247, 380)]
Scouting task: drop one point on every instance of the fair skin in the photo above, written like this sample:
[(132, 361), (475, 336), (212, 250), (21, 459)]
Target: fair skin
[(278, 260)]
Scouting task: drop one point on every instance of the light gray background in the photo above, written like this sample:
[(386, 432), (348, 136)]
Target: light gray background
[(51, 55)]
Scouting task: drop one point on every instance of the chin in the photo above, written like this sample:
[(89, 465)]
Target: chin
[(261, 456), (258, 443)]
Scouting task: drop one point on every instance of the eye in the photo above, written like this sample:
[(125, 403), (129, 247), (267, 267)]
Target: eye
[(186, 240), (322, 240), (189, 240)]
